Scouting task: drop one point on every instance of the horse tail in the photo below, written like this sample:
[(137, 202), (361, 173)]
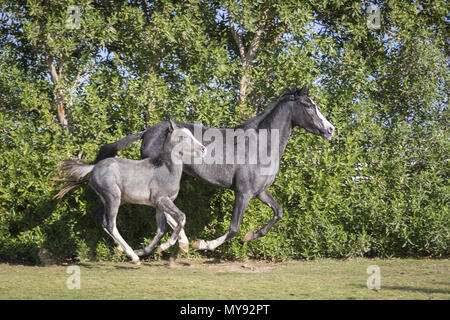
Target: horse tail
[(78, 174), (110, 150)]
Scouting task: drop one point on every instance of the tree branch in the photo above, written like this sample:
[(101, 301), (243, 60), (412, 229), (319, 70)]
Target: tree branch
[(147, 10), (256, 39), (52, 68), (247, 57), (237, 38), (58, 92)]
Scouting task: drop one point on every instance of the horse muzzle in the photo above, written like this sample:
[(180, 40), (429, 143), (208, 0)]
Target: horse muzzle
[(328, 132)]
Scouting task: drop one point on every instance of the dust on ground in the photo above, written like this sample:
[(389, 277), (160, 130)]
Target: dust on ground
[(222, 266)]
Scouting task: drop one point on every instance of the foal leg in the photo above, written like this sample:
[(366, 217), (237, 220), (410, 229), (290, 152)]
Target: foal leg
[(183, 242), (160, 232), (240, 205), (169, 208), (266, 198), (112, 208), (99, 215)]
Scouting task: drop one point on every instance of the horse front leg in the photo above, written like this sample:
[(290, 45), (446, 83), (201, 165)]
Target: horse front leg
[(240, 205), (170, 209), (266, 198), (161, 229), (183, 242)]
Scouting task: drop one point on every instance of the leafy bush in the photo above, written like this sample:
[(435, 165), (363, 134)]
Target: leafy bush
[(379, 188)]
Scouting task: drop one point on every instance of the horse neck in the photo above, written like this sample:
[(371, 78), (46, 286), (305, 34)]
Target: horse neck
[(280, 118), (175, 167)]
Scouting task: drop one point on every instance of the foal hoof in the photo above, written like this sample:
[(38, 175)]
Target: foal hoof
[(184, 247), (200, 244), (197, 244), (249, 236), (137, 262)]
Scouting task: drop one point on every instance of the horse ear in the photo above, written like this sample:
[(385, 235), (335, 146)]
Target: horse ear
[(172, 125), (303, 90)]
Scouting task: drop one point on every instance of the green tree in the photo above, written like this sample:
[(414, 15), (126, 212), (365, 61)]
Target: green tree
[(379, 188)]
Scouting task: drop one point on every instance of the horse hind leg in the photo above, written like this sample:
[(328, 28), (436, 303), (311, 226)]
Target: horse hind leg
[(114, 233), (99, 215), (111, 210)]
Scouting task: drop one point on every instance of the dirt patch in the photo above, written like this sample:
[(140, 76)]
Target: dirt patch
[(222, 266), (245, 268)]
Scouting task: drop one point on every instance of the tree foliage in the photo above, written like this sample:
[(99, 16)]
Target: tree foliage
[(379, 188)]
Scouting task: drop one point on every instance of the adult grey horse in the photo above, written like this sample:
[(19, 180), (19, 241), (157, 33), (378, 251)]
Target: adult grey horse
[(154, 182), (291, 108)]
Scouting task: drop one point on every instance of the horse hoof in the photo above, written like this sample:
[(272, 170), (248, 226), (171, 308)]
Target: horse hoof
[(137, 262), (197, 244), (184, 247), (249, 236)]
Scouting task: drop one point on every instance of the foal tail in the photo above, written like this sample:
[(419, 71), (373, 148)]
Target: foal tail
[(78, 174)]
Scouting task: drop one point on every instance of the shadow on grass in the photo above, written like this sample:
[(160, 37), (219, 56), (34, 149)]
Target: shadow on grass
[(412, 289), (215, 260), (128, 265), (182, 263)]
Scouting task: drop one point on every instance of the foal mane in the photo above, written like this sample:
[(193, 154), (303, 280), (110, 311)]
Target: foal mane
[(161, 158), (254, 121)]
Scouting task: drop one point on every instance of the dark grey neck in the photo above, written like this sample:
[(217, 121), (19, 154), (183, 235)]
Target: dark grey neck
[(280, 118)]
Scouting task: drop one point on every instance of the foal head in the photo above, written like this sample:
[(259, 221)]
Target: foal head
[(307, 115), (183, 144)]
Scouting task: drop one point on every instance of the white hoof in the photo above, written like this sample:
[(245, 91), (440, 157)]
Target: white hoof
[(200, 244), (183, 246), (137, 261)]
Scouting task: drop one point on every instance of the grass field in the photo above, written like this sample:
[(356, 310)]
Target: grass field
[(212, 279)]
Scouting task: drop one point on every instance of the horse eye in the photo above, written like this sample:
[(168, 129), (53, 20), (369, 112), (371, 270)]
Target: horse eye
[(306, 105), (309, 105)]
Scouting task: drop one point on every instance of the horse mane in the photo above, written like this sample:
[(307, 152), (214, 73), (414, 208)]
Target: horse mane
[(161, 157), (254, 121)]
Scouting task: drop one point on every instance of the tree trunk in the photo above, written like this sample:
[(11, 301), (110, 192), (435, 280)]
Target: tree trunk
[(62, 117), (246, 57), (243, 89)]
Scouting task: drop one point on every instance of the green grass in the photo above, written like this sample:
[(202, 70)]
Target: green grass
[(209, 279)]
